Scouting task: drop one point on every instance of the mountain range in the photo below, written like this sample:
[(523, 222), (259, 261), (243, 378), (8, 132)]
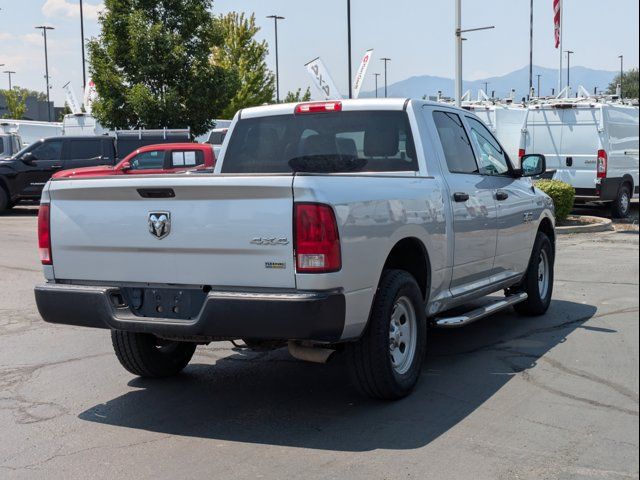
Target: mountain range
[(418, 86)]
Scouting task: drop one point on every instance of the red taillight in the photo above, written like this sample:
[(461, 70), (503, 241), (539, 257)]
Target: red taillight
[(317, 242), (521, 153), (318, 107), (44, 234), (603, 159)]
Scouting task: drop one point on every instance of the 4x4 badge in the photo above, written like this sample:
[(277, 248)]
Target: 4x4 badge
[(159, 224)]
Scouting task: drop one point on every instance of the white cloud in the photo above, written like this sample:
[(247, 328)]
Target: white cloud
[(63, 8)]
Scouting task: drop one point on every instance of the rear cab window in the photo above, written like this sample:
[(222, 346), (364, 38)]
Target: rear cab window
[(328, 142)]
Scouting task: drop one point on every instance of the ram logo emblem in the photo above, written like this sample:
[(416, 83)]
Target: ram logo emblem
[(159, 224)]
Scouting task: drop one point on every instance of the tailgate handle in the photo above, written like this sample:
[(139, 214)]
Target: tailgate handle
[(156, 192)]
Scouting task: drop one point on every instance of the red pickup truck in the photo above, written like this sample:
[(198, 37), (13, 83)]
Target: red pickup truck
[(152, 159)]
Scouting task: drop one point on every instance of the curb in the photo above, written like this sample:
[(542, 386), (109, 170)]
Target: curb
[(596, 224)]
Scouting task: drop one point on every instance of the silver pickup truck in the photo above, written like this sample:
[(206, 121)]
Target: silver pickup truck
[(348, 226)]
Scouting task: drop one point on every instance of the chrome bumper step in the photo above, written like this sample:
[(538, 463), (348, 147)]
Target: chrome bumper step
[(477, 314)]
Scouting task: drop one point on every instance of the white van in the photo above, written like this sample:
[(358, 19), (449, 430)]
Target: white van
[(592, 146), (31, 131), (80, 124)]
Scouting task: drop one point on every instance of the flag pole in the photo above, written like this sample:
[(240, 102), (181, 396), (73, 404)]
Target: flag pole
[(560, 49)]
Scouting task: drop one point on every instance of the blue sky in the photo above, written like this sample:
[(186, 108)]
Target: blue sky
[(416, 34)]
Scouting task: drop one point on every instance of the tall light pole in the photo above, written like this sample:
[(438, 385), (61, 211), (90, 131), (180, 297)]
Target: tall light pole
[(538, 90), (44, 29), (349, 46), (459, 40), (569, 53), (385, 60), (621, 57), (275, 23), (9, 72), (84, 75), (376, 75), (530, 49)]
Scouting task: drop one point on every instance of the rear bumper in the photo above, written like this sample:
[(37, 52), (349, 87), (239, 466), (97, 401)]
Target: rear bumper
[(315, 316)]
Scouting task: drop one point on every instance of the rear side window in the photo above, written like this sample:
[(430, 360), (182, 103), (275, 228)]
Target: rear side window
[(186, 158), (364, 141), (84, 149), (153, 160), (455, 143)]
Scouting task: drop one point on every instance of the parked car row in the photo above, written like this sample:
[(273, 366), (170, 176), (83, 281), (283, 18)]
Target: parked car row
[(23, 175), (331, 227)]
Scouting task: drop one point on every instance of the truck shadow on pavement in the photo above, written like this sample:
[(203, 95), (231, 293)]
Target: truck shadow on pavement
[(270, 398)]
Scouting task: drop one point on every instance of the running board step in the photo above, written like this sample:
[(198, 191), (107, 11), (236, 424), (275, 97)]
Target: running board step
[(477, 314)]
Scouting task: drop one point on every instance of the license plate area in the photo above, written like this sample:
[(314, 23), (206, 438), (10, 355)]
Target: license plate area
[(177, 303)]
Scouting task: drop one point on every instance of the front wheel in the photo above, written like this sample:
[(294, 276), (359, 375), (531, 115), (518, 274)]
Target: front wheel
[(5, 204), (538, 281), (386, 361), (148, 356)]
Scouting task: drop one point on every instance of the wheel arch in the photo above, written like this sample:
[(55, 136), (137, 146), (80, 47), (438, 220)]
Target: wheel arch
[(627, 178), (546, 227), (410, 254)]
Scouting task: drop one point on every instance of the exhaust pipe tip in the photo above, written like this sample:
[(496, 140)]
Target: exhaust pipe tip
[(309, 354)]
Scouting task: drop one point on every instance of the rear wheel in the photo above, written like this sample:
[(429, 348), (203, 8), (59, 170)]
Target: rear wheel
[(146, 355), (386, 362), (538, 281), (621, 206)]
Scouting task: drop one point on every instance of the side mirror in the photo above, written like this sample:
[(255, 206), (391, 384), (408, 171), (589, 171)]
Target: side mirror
[(28, 158), (533, 165), (125, 166)]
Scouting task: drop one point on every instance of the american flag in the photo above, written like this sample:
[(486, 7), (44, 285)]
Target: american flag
[(557, 5)]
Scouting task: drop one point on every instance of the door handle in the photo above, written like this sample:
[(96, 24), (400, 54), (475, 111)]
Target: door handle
[(56, 167), (460, 197), (501, 195)]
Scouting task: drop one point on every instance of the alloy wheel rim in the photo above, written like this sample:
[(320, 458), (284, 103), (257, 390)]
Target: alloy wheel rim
[(402, 335)]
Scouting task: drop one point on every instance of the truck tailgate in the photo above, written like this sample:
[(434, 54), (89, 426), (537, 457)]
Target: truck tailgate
[(224, 231)]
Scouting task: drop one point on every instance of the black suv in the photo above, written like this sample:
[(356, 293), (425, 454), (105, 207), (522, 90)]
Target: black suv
[(23, 176)]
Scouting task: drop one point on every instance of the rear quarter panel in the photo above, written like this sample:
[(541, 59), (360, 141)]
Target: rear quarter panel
[(373, 213)]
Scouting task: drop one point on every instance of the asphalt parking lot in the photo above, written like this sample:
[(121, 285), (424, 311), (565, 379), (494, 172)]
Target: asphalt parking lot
[(554, 397)]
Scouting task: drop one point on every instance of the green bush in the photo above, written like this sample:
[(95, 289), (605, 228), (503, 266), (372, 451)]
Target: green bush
[(562, 195)]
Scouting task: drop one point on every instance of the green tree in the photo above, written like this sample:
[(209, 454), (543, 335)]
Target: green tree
[(297, 96), (630, 84), (243, 54), (16, 100), (151, 65)]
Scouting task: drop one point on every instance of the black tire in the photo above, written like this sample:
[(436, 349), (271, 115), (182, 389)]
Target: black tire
[(146, 355), (4, 201), (537, 303), (621, 206), (369, 358)]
